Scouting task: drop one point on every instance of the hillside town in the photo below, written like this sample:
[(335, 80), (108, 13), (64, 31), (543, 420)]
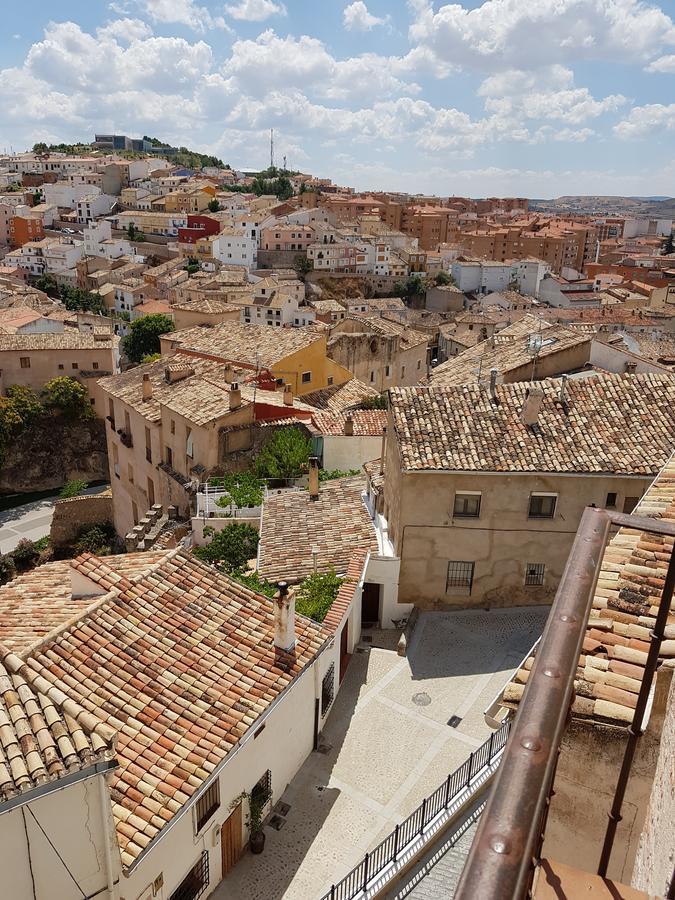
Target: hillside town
[(313, 497)]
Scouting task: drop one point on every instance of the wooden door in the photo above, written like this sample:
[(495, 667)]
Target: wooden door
[(230, 840), (344, 654), (370, 604)]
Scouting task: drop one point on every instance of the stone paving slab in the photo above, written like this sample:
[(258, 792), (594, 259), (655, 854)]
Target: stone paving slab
[(389, 750)]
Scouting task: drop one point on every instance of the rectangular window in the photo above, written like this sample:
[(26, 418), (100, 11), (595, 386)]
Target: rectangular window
[(195, 882), (387, 370), (75, 365), (372, 376), (148, 447), (330, 380), (467, 505), (460, 575), (629, 504), (189, 443), (25, 362), (542, 506), (262, 789), (151, 492), (207, 804), (130, 474), (169, 456), (611, 500), (94, 365), (306, 377), (61, 366), (534, 573), (327, 690)]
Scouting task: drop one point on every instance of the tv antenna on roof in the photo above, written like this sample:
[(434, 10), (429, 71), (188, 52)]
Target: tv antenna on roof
[(271, 148)]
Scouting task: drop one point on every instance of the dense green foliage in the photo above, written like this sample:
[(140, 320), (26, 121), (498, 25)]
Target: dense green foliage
[(66, 396), (443, 277), (316, 594), (255, 582), (190, 159), (332, 474), (214, 205), (134, 234), (72, 488), (286, 455), (279, 185), (7, 568), (74, 299), (414, 284), (143, 337), (150, 358), (302, 266), (230, 548), (25, 555), (378, 402), (100, 539), (191, 265), (244, 489)]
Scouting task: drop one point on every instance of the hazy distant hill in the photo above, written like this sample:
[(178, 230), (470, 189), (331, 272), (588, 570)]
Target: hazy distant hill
[(662, 207)]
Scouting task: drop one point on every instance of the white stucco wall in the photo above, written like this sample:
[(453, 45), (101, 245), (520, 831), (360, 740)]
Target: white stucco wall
[(385, 571), (347, 452)]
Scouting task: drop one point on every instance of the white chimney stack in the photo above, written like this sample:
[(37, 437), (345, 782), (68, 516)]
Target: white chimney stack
[(229, 374), (532, 406), (563, 388), (349, 425), (288, 395), (235, 395), (313, 478), (284, 618), (147, 387)]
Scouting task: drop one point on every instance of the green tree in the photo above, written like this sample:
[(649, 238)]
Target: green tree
[(192, 265), (316, 595), (10, 423), (7, 568), (77, 300), (283, 188), (302, 266), (255, 582), (100, 539), (443, 277), (26, 403), (72, 488), (230, 548), (40, 147), (150, 358), (286, 455), (25, 555), (378, 402), (47, 283), (143, 337), (68, 397), (214, 205)]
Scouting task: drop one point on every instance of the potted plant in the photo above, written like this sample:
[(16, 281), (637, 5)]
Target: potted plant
[(257, 801)]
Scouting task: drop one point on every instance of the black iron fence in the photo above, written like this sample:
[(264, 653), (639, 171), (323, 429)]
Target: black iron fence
[(355, 883)]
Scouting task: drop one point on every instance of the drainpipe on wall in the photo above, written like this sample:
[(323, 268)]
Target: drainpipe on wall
[(104, 799)]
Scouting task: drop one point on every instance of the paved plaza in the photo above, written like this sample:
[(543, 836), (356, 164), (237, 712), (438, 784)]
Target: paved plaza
[(387, 746)]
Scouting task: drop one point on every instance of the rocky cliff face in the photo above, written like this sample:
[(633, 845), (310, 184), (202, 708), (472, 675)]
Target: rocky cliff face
[(53, 451)]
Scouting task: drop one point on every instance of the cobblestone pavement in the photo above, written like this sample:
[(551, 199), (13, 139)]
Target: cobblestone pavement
[(388, 746)]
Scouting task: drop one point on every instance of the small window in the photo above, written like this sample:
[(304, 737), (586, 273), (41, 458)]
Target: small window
[(61, 366), (172, 427), (189, 443), (327, 690), (629, 504), (169, 456), (460, 575), (534, 573), (542, 506), (372, 376), (25, 362), (306, 377), (75, 365), (207, 804), (387, 371), (467, 505), (330, 380), (195, 882), (419, 363), (130, 474), (94, 365), (611, 500)]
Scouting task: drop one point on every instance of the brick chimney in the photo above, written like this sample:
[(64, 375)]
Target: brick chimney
[(493, 384), (532, 406), (284, 618), (235, 396), (313, 478), (229, 374), (288, 395), (349, 425), (147, 387)]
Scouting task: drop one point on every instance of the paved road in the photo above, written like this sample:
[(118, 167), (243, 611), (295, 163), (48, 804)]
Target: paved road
[(32, 520)]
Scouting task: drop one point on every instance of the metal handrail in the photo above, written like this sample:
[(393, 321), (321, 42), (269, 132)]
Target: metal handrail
[(505, 851), (355, 883)]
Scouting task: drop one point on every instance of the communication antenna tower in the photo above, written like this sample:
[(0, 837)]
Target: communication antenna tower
[(271, 148)]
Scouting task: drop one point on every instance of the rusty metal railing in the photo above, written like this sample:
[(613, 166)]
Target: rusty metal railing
[(505, 851)]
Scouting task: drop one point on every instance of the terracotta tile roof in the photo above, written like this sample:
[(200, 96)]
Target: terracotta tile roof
[(201, 399), (632, 575), (34, 604), (366, 422), (204, 305), (340, 397), (375, 476), (345, 595), (44, 734), (181, 663), (623, 424), (337, 524), (244, 343), (387, 327), (508, 352), (66, 340)]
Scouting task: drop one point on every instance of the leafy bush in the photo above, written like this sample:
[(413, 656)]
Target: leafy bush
[(230, 548), (42, 543), (143, 337), (286, 455), (332, 474), (25, 555), (379, 402), (7, 568), (69, 397), (26, 403), (150, 358), (72, 488), (243, 488), (100, 539), (255, 582), (316, 594)]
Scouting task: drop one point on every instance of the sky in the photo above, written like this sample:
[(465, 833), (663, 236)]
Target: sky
[(536, 98)]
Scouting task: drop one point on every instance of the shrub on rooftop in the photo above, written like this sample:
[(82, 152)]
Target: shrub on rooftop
[(230, 548), (286, 455), (316, 594)]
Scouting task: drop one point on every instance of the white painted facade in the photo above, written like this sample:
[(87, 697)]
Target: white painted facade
[(646, 226), (91, 206), (66, 195), (349, 451), (236, 248), (528, 274), (481, 276), (98, 241)]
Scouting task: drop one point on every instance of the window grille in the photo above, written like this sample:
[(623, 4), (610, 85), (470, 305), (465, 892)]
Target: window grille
[(327, 690), (534, 573), (207, 804), (460, 574), (195, 882)]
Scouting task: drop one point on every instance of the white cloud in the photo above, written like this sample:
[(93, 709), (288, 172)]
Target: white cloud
[(125, 30), (181, 12), (255, 10), (663, 64), (356, 17), (647, 120), (539, 33)]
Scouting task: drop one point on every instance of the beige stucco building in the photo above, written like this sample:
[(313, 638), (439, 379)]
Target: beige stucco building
[(485, 486)]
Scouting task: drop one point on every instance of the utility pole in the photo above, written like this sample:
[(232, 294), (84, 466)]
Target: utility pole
[(271, 148)]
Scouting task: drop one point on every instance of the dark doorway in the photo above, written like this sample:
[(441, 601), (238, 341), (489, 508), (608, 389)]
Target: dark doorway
[(370, 604), (344, 654), (630, 503)]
